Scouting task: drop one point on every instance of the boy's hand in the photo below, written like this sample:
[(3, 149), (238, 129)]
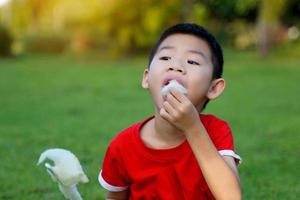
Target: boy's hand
[(179, 111)]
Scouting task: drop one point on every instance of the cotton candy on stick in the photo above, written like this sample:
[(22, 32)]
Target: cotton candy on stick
[(67, 171), (173, 84)]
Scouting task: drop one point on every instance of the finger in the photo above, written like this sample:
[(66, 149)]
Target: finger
[(178, 95), (169, 109), (173, 101), (164, 114)]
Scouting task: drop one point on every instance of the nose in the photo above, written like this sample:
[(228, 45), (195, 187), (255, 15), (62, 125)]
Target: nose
[(177, 67)]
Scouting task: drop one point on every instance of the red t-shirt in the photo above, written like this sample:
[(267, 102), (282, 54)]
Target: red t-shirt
[(169, 174)]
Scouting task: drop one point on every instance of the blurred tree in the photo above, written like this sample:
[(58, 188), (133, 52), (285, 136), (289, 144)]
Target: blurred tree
[(292, 15), (131, 26), (187, 10), (268, 23), (5, 15), (23, 16), (36, 7), (232, 22), (228, 10), (6, 40)]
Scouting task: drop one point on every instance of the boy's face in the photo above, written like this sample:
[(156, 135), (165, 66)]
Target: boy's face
[(185, 58)]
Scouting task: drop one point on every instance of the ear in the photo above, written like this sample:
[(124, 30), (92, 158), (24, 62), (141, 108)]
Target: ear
[(145, 83), (216, 88)]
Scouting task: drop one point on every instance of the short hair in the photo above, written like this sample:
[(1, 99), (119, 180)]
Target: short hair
[(200, 32)]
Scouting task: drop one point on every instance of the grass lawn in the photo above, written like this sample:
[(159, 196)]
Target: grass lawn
[(81, 104)]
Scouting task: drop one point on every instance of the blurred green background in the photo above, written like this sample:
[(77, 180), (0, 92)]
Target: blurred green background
[(70, 75)]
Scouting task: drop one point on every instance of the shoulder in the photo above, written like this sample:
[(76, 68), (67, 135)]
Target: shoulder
[(127, 136), (217, 128), (221, 135), (124, 136), (212, 120)]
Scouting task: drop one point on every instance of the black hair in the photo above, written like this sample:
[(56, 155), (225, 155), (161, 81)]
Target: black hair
[(200, 32)]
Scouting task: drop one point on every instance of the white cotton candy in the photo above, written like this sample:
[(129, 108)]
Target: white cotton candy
[(66, 170), (173, 84)]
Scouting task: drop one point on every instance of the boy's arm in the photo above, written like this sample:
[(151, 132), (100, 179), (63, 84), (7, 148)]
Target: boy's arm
[(220, 174), (233, 165), (123, 195)]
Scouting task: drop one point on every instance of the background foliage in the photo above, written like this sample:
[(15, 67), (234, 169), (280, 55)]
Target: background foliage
[(120, 27)]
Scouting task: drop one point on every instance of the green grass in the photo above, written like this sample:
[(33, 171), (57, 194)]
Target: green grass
[(81, 104)]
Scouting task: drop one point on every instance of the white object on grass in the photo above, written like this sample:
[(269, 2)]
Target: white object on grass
[(173, 84), (67, 171)]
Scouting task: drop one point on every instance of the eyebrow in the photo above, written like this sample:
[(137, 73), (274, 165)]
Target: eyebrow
[(165, 47), (199, 53), (190, 51)]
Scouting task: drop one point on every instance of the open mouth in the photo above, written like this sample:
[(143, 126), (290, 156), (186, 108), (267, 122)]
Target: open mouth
[(168, 80), (172, 83)]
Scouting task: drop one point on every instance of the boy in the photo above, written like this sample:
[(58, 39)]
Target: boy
[(178, 153)]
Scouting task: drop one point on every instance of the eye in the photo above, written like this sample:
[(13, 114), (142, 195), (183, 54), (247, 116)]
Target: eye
[(192, 62), (165, 58)]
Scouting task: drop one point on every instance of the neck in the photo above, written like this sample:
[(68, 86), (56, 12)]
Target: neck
[(167, 132)]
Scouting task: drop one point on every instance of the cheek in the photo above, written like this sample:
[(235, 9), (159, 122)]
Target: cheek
[(200, 75), (153, 79), (198, 94), (199, 84), (154, 82), (155, 73)]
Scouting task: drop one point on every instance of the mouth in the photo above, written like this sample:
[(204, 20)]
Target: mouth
[(172, 83), (168, 80)]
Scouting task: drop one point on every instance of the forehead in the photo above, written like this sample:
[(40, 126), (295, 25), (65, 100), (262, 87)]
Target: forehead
[(185, 42)]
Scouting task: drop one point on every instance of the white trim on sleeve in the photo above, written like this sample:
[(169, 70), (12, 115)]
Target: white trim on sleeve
[(108, 186), (232, 154)]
